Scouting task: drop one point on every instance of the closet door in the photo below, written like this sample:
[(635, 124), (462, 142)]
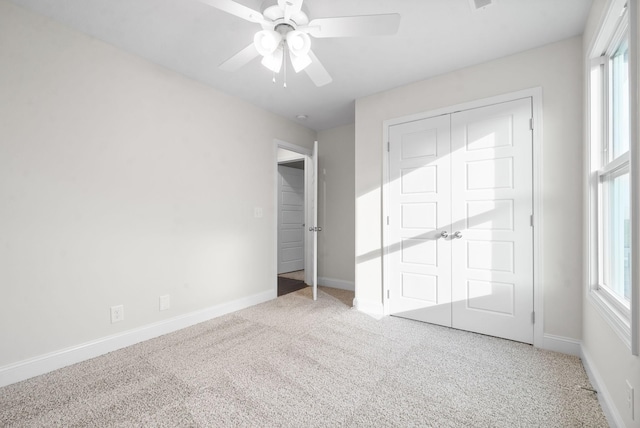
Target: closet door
[(420, 209), (492, 237)]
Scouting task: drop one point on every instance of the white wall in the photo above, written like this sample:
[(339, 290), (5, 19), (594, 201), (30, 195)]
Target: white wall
[(608, 358), (118, 184), (336, 253), (557, 68)]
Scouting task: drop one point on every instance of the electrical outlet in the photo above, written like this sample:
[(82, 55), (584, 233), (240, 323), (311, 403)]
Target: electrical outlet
[(165, 302), (257, 212), (630, 403), (117, 313)]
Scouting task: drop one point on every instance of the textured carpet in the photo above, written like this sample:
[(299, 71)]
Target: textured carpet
[(298, 363)]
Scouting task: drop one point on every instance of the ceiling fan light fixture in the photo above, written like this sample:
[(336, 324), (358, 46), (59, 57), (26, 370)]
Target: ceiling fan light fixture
[(286, 31), (299, 43), (267, 41), (273, 61)]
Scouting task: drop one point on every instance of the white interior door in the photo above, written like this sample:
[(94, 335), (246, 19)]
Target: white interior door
[(290, 219), (420, 209), (468, 175), (311, 267), (492, 254)]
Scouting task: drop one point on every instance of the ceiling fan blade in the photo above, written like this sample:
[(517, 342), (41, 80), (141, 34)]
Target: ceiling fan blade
[(237, 9), (354, 26), (290, 7), (241, 58), (317, 72)]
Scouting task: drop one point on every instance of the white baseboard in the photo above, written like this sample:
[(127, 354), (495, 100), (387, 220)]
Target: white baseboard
[(606, 402), (337, 283), (374, 309), (565, 345), (55, 360)]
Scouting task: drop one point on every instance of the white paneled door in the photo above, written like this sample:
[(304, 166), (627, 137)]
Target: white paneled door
[(314, 229), (290, 219), (419, 210), (491, 187), (461, 241)]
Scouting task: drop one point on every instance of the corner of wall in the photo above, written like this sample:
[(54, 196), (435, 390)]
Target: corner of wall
[(373, 309), (604, 397)]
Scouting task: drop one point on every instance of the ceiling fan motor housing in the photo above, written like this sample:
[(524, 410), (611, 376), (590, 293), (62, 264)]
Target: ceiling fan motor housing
[(283, 28), (272, 12)]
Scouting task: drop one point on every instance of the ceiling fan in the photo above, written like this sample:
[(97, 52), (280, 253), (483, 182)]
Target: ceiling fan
[(285, 33)]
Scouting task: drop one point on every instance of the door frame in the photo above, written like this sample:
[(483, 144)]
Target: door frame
[(538, 243), (306, 155)]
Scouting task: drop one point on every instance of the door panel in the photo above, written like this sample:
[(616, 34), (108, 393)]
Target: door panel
[(290, 219), (492, 263), (420, 209)]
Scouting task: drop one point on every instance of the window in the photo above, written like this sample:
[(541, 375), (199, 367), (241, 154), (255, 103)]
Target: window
[(619, 98), (614, 225), (610, 166), (614, 222)]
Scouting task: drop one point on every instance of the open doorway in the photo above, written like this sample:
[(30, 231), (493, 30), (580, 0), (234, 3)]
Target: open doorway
[(291, 221), (300, 224)]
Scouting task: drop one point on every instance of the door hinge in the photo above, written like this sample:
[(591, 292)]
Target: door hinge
[(388, 294), (533, 317), (387, 220), (531, 124), (531, 220), (388, 146)]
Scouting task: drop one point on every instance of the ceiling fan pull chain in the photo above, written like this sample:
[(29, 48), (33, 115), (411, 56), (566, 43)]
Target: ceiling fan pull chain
[(284, 60)]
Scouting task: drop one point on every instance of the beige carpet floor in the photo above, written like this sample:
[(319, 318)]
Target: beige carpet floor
[(293, 362)]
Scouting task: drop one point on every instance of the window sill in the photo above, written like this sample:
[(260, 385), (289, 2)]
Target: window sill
[(618, 321)]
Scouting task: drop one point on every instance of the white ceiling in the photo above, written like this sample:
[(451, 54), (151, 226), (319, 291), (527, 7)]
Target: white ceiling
[(435, 37)]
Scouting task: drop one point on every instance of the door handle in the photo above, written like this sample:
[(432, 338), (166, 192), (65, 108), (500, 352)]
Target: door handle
[(457, 235), (444, 234)]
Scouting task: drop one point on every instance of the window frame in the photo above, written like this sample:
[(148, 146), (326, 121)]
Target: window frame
[(615, 168), (602, 168)]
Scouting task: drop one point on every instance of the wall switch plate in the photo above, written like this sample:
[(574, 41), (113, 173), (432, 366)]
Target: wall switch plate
[(165, 302), (117, 313), (630, 400)]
